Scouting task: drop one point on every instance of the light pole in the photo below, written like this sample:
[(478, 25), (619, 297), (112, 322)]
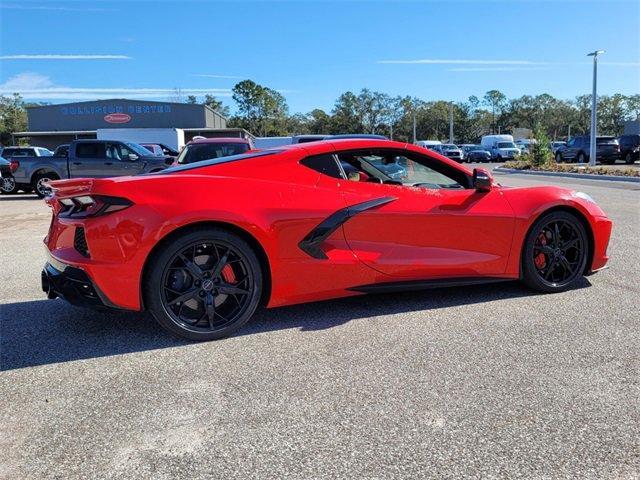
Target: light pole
[(594, 113)]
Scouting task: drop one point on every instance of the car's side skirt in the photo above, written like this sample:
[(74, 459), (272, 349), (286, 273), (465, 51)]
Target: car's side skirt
[(402, 286)]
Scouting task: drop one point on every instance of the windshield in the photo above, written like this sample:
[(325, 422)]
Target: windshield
[(197, 152), (506, 145), (449, 147), (143, 152)]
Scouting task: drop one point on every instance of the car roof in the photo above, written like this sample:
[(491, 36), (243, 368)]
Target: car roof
[(219, 140)]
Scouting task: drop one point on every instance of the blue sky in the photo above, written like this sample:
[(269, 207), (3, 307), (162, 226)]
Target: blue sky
[(313, 51)]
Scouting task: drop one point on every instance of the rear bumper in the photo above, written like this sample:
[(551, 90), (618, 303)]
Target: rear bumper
[(73, 285)]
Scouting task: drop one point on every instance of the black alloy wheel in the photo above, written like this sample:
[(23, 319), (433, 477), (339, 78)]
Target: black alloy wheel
[(555, 253), (204, 286), (628, 159)]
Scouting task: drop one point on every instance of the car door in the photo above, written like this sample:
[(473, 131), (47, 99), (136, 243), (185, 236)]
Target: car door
[(87, 160), (571, 150), (121, 160), (442, 228)]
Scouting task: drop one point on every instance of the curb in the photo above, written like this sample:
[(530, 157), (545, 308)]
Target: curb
[(586, 176)]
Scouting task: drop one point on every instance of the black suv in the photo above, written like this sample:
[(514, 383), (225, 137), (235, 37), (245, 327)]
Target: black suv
[(629, 148), (577, 150)]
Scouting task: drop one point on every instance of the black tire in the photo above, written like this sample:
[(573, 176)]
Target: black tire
[(37, 183), (581, 158), (628, 158), (499, 158), (558, 157), (8, 186), (188, 273), (550, 266)]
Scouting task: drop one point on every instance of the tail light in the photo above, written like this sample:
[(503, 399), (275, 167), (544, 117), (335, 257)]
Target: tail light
[(13, 165), (91, 205)]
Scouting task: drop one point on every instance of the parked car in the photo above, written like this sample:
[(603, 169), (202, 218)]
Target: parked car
[(7, 181), (449, 150), (629, 148), (577, 150), (428, 144), (524, 144), (477, 153), (153, 148), (87, 158), (555, 145), (501, 147), (209, 148), (285, 226), (160, 149), (11, 152)]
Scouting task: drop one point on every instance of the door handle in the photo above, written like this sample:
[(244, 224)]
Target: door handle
[(108, 163), (77, 163)]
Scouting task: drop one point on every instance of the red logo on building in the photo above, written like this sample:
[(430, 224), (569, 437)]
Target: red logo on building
[(117, 118)]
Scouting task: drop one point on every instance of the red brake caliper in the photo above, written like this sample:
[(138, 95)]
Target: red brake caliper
[(228, 275), (540, 260)]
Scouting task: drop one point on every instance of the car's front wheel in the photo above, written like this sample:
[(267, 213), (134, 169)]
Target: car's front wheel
[(628, 158), (555, 252), (558, 157), (203, 285)]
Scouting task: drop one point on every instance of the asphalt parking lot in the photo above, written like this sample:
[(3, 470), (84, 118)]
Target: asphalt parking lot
[(483, 381)]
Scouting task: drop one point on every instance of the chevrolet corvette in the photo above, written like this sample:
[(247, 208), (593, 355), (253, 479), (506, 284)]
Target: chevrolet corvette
[(201, 246)]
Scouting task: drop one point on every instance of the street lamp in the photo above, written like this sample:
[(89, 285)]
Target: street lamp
[(594, 113)]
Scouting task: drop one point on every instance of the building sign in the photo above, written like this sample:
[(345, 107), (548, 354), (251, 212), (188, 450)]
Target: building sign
[(114, 108), (117, 118)]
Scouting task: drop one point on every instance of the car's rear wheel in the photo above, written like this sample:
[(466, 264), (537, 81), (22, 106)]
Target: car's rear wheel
[(555, 252), (582, 158), (8, 185), (204, 285), (39, 183), (558, 157), (628, 158)]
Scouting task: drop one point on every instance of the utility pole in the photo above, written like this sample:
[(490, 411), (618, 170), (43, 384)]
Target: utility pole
[(569, 133), (594, 108), (414, 127), (451, 123)]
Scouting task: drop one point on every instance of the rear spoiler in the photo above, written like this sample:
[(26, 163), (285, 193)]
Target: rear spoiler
[(77, 186)]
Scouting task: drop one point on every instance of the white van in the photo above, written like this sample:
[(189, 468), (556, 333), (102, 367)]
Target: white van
[(500, 146), (429, 144)]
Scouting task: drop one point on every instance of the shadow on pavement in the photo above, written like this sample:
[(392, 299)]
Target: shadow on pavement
[(42, 332)]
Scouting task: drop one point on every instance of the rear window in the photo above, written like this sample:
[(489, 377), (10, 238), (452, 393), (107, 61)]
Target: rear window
[(18, 152), (198, 152)]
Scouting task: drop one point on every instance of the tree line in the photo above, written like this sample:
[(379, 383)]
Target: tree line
[(264, 112)]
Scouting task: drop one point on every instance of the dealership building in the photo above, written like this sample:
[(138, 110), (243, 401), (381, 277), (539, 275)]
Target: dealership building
[(170, 123)]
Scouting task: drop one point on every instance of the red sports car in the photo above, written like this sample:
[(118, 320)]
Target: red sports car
[(202, 245)]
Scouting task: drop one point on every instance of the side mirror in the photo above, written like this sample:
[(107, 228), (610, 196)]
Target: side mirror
[(133, 157), (482, 180)]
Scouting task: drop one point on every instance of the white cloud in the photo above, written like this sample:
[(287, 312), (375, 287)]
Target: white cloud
[(206, 75), (56, 8), (33, 86), (64, 57), (434, 61), (497, 69)]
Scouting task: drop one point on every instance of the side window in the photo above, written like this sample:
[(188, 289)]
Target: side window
[(325, 164), (90, 150), (571, 142), (401, 167)]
